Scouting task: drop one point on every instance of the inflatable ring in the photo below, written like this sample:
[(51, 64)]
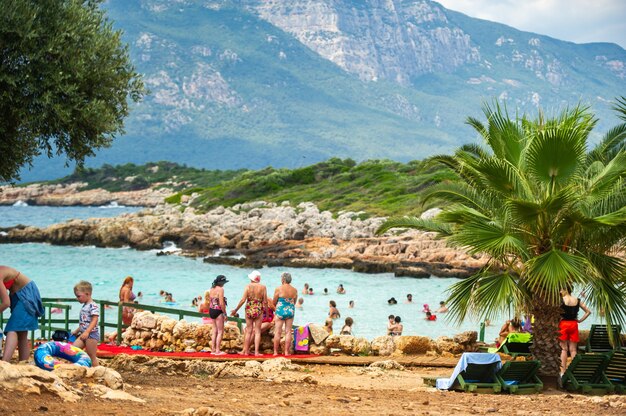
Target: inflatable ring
[(45, 353)]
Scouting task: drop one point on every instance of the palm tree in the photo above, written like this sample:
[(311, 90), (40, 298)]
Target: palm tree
[(546, 211)]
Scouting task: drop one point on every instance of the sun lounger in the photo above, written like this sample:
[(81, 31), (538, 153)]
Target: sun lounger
[(585, 374), (475, 372), (515, 344), (616, 370), (520, 377), (598, 340)]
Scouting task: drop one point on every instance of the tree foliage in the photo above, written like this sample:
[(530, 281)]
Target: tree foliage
[(546, 211), (65, 80)]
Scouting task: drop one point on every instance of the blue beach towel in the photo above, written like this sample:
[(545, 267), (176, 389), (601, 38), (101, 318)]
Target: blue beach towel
[(26, 307), (468, 358)]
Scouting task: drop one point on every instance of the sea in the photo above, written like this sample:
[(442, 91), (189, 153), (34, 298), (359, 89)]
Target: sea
[(56, 269)]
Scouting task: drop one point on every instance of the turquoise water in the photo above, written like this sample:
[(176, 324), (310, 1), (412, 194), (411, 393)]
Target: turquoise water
[(57, 268), (41, 216)]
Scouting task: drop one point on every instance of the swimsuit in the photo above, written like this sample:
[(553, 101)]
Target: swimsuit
[(345, 331), (254, 308), (285, 308), (215, 309), (268, 314), (8, 284)]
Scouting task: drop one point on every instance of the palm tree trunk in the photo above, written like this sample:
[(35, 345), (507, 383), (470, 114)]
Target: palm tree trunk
[(546, 346)]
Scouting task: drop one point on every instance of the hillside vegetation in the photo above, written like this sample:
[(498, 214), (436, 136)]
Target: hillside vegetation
[(376, 187)]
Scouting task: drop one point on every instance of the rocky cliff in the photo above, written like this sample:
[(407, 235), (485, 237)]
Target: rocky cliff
[(375, 39), (74, 194)]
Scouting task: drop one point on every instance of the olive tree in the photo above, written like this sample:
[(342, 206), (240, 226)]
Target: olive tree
[(65, 81)]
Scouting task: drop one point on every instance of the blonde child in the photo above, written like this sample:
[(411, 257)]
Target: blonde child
[(88, 333)]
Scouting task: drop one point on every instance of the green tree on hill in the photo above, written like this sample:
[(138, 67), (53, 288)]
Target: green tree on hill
[(547, 212), (65, 77)]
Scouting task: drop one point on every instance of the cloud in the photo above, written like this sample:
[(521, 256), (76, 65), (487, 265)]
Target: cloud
[(579, 21)]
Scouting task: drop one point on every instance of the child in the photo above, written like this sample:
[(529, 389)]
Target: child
[(325, 291), (311, 291), (397, 328), (328, 326), (351, 304), (430, 316), (300, 302), (347, 328), (88, 332), (390, 324)]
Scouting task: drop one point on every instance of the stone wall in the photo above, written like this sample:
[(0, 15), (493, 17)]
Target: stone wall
[(162, 333)]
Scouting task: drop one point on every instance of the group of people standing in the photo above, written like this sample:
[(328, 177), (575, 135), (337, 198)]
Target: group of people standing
[(257, 304)]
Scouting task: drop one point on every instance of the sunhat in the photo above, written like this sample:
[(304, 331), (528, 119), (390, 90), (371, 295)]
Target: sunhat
[(221, 279), (255, 276)]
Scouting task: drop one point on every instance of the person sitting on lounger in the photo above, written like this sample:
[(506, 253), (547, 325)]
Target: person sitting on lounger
[(510, 326)]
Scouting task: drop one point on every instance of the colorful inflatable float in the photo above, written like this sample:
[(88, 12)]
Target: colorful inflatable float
[(46, 353)]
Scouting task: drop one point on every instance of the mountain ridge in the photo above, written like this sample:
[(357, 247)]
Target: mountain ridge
[(232, 90)]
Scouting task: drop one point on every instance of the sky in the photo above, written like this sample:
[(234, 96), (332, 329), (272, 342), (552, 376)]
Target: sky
[(579, 21)]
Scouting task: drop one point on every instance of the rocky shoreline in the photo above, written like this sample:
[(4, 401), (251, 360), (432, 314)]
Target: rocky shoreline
[(260, 234), (73, 194)]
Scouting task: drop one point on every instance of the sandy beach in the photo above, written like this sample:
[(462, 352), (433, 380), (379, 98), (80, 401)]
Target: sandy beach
[(162, 388)]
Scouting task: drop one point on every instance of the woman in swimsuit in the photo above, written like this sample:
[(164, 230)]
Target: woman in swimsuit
[(22, 295), (285, 299), (333, 312), (255, 298), (127, 296), (216, 304)]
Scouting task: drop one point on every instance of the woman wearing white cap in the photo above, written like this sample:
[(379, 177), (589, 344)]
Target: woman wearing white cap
[(255, 298)]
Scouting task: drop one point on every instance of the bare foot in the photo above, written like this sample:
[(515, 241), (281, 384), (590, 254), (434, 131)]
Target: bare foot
[(243, 353), (219, 353), (275, 353), (256, 354)]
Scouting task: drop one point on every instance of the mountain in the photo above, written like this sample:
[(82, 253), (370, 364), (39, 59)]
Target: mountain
[(251, 83)]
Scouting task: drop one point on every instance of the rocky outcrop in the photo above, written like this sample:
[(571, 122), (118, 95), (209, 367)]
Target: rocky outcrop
[(259, 233), (67, 381), (73, 194)]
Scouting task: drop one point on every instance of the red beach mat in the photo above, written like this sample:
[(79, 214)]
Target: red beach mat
[(109, 351)]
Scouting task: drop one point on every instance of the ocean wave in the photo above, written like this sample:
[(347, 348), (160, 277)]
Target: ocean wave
[(112, 204), (20, 204)]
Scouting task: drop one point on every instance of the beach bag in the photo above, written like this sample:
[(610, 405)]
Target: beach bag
[(301, 339), (61, 335)]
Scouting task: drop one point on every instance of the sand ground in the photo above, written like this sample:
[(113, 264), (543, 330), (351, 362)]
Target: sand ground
[(331, 390)]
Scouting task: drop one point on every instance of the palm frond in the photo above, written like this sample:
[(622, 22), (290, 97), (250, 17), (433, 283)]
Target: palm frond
[(614, 141), (416, 223), (550, 272), (490, 238), (620, 107)]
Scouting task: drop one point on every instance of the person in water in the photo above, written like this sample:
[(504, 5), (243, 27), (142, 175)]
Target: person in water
[(285, 297), (341, 290), (22, 296), (392, 301), (333, 312), (305, 291), (255, 298), (568, 326), (409, 298), (396, 329), (347, 328), (126, 295), (390, 324), (442, 307), (217, 312), (300, 303), (430, 316)]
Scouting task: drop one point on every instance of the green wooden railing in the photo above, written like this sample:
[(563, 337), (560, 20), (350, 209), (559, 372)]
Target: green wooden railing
[(48, 324)]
